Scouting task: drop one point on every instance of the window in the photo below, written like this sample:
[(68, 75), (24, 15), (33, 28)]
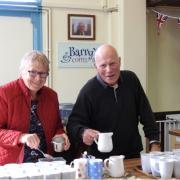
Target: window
[(14, 3), (20, 32), (26, 1), (25, 8)]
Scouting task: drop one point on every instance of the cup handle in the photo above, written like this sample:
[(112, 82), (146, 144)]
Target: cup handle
[(106, 163), (96, 140), (72, 164)]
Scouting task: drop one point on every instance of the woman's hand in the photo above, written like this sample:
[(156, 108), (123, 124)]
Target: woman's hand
[(31, 140)]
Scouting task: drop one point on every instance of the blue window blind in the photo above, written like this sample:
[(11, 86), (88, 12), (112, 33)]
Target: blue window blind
[(26, 8)]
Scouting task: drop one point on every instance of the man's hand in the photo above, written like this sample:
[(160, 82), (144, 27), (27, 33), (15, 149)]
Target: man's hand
[(155, 147), (89, 135), (31, 140)]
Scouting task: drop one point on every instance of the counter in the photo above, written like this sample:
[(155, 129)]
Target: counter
[(133, 170), (175, 132), (175, 138)]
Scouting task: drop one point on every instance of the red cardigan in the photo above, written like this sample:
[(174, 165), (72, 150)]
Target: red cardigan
[(15, 104)]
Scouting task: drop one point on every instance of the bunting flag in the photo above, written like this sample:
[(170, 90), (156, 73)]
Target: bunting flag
[(161, 18)]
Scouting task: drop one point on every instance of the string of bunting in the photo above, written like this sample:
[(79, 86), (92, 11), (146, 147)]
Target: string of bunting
[(161, 18)]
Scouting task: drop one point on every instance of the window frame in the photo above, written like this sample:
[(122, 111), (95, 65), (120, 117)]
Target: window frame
[(33, 10)]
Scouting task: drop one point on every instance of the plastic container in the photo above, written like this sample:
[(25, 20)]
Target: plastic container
[(65, 111)]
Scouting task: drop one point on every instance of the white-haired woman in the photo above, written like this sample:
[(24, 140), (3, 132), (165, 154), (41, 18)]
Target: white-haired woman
[(29, 113)]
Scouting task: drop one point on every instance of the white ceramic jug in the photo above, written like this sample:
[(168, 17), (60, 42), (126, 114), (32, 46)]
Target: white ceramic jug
[(115, 165), (104, 142)]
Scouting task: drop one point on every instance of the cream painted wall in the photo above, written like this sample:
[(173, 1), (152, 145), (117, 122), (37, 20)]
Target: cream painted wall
[(14, 32), (164, 64), (115, 27), (134, 37), (125, 29), (68, 81)]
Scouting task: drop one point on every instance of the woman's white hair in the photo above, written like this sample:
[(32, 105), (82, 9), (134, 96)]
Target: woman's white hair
[(34, 56)]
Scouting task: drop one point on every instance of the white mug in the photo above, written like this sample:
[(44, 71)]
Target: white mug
[(68, 172), (104, 142), (145, 162), (81, 167), (176, 171), (58, 143), (115, 165), (155, 156), (166, 167)]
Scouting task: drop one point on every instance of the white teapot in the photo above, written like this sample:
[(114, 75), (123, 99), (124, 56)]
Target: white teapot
[(104, 142)]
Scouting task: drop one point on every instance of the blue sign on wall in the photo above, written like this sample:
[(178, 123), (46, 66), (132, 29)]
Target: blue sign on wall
[(76, 54)]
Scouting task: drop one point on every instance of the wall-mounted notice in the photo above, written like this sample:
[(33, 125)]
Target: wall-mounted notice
[(79, 55)]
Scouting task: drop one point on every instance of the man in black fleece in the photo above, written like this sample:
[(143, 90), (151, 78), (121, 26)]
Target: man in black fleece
[(112, 101)]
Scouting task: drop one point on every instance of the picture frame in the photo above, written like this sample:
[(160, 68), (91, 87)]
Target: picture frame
[(81, 27)]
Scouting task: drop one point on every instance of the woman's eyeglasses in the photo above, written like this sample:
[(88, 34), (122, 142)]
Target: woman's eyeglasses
[(41, 74)]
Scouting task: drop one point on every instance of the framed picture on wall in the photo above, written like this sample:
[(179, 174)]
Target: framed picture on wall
[(81, 27)]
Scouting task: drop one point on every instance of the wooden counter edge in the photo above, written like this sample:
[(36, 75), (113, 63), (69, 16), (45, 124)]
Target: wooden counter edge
[(175, 132)]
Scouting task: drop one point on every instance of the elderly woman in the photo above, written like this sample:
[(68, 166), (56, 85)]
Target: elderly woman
[(29, 113)]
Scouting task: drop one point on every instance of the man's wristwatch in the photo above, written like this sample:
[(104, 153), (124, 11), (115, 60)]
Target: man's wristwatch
[(154, 142)]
